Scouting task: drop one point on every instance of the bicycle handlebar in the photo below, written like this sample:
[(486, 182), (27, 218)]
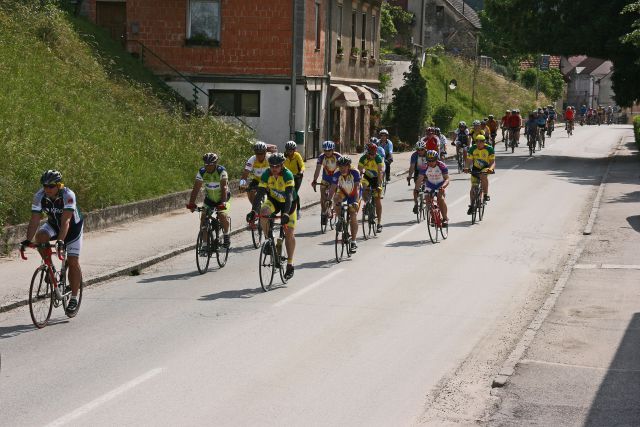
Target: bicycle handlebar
[(59, 253)]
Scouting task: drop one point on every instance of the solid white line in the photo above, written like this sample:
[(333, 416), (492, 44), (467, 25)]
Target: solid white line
[(585, 266), (104, 398), (308, 288), (514, 167), (402, 233), (528, 158), (621, 266)]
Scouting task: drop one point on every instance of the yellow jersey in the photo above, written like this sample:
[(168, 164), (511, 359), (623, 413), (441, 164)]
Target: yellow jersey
[(295, 164)]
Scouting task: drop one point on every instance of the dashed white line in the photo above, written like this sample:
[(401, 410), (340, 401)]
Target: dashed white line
[(308, 288), (84, 409)]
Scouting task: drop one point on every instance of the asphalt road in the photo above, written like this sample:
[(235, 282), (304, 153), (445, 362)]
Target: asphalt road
[(406, 332)]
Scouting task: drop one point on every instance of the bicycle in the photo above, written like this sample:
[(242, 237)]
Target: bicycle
[(49, 287), (271, 256), (540, 137), (550, 127), (460, 158), (478, 204), (435, 221), (343, 236), (569, 128), (369, 216), (531, 142), (210, 239), (422, 208), (327, 212)]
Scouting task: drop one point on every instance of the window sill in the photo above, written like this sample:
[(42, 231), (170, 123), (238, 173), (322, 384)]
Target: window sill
[(200, 42)]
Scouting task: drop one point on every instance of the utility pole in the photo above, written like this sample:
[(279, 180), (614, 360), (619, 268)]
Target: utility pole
[(475, 73)]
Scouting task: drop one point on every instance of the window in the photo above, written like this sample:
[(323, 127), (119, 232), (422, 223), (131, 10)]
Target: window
[(204, 20), (373, 36), (317, 26), (235, 102), (363, 42), (354, 18), (339, 27)]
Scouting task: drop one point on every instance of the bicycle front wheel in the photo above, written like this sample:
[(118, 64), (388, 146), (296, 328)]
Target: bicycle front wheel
[(222, 253), (339, 245), (256, 234), (432, 226), (283, 259), (481, 206), (41, 297), (203, 252), (420, 208), (365, 222), (267, 265)]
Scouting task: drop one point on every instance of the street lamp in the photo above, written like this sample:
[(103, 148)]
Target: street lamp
[(451, 85)]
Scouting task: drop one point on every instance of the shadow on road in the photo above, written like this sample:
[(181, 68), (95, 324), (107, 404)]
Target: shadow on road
[(14, 331), (406, 243), (169, 277), (317, 264), (632, 197), (234, 294), (634, 221), (618, 399)]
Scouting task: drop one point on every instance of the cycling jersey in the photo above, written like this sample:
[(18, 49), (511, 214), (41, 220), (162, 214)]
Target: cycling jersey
[(505, 120), (370, 165), (462, 137), (551, 115), (435, 174), (65, 200), (493, 126), (212, 181), (329, 165), (276, 186), (541, 121), (515, 121), (387, 147), (420, 161), (295, 163), (256, 168), (432, 142), (569, 115), (347, 184), (481, 158), (474, 134)]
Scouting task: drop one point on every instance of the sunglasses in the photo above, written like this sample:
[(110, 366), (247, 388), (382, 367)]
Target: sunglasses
[(275, 166), (50, 185)]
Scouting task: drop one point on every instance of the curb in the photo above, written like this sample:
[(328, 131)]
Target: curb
[(509, 366)]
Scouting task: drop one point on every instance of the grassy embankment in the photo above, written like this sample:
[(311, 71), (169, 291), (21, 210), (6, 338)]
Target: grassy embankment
[(494, 93), (72, 100)]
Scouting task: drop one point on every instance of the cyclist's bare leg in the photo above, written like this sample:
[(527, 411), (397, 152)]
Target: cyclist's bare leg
[(224, 220), (443, 207), (264, 222), (251, 195), (378, 201), (353, 220), (290, 243), (485, 184), (74, 274), (417, 189)]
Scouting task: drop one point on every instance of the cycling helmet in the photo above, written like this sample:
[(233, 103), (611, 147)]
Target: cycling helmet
[(384, 132), (480, 138), (372, 148), (51, 177), (462, 124), (328, 145), (374, 140), (516, 111), (276, 159), (508, 111), (430, 130), (437, 131), (290, 145), (344, 161), (490, 116), (485, 120), (260, 147), (432, 155), (210, 158), (421, 145), (476, 122)]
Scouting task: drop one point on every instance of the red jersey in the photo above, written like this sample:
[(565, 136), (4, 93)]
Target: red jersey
[(515, 121), (432, 142), (569, 115), (505, 120)]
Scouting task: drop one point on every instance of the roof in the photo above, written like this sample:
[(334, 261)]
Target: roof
[(554, 62), (466, 11)]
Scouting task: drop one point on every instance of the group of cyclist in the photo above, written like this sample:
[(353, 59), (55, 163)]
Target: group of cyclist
[(599, 115)]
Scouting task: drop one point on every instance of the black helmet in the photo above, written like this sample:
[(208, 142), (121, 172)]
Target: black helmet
[(344, 161), (51, 177), (260, 147), (210, 158), (276, 159)]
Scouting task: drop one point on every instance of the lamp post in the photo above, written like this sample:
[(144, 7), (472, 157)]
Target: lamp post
[(449, 85)]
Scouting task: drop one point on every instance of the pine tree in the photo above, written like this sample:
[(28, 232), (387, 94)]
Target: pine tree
[(410, 104)]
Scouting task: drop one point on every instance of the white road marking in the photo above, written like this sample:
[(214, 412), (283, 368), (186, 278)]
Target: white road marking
[(621, 266), (585, 266), (308, 288), (402, 233), (104, 398), (514, 167)]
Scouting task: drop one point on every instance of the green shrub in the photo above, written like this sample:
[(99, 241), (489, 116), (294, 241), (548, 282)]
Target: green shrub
[(443, 116), (636, 128)]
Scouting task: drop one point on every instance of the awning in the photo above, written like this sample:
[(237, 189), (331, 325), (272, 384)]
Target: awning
[(344, 96), (375, 92), (363, 95)]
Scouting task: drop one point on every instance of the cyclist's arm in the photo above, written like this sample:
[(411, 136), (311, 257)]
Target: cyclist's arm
[(445, 184), (197, 185), (34, 222), (65, 221), (288, 199), (224, 188), (332, 190), (258, 200), (317, 172)]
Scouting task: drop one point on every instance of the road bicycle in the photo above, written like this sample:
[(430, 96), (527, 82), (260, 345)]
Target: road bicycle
[(478, 203), (569, 127), (460, 157), (210, 240), (550, 127), (422, 207), (273, 255), (531, 142), (49, 287), (327, 211), (369, 215), (435, 221), (343, 235), (540, 137)]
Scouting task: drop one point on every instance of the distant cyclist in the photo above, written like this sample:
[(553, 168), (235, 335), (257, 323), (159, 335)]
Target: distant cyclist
[(64, 224), (253, 170), (385, 143), (371, 167), (346, 186), (417, 164), (481, 160), (295, 163), (435, 177), (328, 164)]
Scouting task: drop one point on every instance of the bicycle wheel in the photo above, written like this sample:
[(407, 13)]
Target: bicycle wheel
[(323, 219), (65, 301), (365, 221), (432, 226), (266, 264), (331, 217), (459, 160), (256, 234), (203, 252), (474, 205), (444, 228), (222, 253), (40, 297), (420, 208), (339, 245), (372, 220), (282, 258), (481, 206)]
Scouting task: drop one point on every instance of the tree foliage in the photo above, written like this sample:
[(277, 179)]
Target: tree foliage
[(395, 22), (550, 82), (562, 27), (634, 36), (410, 104)]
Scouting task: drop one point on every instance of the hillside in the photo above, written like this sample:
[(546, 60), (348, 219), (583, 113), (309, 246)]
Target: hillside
[(69, 102), (494, 93)]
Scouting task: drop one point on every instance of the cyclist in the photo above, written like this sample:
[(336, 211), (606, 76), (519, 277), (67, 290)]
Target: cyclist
[(443, 143), (431, 140), (293, 162), (481, 158), (515, 123), (435, 177), (64, 224), (477, 130), (217, 194), (551, 119), (370, 167), (328, 162), (417, 164), (462, 140), (504, 123), (385, 143), (278, 184), (541, 122), (346, 186), (493, 129), (569, 115), (253, 170)]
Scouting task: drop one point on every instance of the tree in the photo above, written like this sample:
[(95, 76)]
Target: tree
[(410, 104), (563, 27), (634, 36), (395, 22)]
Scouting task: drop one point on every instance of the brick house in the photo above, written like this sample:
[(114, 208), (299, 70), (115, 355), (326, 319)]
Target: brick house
[(272, 64)]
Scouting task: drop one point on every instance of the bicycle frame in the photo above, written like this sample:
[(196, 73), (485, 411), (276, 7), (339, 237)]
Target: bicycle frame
[(46, 260)]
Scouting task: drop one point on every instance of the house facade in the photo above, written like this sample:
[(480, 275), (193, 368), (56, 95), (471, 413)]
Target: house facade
[(589, 81), (271, 64)]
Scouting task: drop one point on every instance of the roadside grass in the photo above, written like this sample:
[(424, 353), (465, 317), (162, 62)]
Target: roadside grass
[(67, 105), (494, 94)]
